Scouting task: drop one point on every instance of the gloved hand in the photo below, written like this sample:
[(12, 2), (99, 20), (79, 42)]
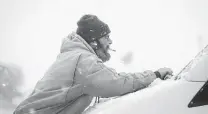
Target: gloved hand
[(163, 72)]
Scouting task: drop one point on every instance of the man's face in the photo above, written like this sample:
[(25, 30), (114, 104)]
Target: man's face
[(102, 51)]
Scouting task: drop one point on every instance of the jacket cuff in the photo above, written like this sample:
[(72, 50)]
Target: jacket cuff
[(158, 75)]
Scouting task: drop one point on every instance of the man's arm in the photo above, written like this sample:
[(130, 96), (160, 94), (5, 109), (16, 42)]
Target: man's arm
[(99, 80)]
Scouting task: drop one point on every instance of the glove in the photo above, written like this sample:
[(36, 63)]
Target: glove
[(163, 72)]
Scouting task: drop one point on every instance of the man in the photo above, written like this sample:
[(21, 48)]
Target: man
[(79, 74)]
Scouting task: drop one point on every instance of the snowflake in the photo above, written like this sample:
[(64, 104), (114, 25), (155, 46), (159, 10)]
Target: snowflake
[(4, 85), (32, 110), (80, 70)]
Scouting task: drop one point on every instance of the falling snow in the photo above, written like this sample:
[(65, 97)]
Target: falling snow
[(31, 111), (4, 85)]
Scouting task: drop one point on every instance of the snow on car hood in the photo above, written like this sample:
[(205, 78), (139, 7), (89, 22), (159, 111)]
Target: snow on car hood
[(196, 70)]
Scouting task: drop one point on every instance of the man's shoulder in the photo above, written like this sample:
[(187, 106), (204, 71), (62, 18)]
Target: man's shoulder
[(87, 56)]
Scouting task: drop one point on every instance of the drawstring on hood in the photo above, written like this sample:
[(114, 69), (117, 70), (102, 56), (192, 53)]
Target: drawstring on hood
[(97, 100)]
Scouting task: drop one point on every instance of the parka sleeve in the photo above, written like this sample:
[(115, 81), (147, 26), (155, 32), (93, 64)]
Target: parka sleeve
[(99, 80)]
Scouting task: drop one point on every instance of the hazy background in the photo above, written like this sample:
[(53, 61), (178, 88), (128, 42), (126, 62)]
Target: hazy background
[(147, 34)]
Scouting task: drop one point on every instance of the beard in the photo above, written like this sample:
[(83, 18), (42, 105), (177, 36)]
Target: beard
[(103, 53)]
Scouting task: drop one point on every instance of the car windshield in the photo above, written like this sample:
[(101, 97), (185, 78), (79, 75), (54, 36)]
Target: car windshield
[(193, 63)]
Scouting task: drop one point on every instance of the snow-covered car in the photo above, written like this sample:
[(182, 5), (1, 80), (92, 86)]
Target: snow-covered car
[(186, 93)]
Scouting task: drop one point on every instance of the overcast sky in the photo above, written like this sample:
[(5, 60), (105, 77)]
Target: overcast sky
[(156, 33)]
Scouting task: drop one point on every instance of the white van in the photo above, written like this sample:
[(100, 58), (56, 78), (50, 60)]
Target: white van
[(186, 93)]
